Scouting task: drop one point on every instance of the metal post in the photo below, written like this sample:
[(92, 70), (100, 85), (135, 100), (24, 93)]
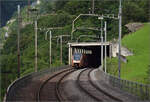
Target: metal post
[(120, 31), (46, 35), (93, 6), (35, 44), (50, 47), (61, 49), (102, 43), (61, 38), (72, 31), (105, 46), (69, 55), (18, 48)]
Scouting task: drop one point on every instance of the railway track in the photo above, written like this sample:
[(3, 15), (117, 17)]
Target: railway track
[(50, 89), (25, 88), (58, 86), (88, 86)]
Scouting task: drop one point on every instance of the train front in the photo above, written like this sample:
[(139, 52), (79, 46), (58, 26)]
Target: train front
[(76, 59)]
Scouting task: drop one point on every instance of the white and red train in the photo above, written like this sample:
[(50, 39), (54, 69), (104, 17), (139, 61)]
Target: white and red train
[(80, 60)]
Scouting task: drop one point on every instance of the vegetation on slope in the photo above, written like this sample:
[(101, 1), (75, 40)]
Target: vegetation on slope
[(137, 67)]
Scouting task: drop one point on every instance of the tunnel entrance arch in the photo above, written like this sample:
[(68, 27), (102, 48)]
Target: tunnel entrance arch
[(91, 52)]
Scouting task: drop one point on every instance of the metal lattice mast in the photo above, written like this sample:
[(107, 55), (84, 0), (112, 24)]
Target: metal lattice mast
[(120, 31)]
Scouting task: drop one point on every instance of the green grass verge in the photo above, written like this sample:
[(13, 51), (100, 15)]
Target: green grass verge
[(137, 66)]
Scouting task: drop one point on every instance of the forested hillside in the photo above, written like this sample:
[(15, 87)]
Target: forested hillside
[(8, 7), (60, 13)]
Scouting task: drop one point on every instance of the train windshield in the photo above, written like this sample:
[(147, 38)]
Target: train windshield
[(77, 56)]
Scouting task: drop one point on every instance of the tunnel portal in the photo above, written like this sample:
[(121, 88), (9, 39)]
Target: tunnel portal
[(91, 53)]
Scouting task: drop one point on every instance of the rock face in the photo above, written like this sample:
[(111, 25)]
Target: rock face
[(124, 50), (132, 27)]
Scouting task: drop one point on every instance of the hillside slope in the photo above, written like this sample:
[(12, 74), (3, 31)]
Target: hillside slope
[(136, 69), (137, 66)]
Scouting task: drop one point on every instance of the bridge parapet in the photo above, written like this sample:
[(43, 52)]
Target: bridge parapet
[(141, 91), (11, 90)]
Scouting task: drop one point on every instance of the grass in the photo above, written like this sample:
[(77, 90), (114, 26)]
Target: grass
[(137, 66)]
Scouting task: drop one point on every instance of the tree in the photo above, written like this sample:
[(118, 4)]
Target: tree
[(132, 12)]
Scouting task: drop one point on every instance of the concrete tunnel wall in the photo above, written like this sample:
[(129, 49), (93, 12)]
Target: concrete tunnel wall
[(94, 59)]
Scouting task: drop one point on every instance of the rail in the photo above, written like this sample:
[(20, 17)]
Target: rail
[(84, 87), (141, 91), (58, 86), (21, 81), (38, 99)]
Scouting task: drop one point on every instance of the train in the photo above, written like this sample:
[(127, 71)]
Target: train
[(76, 58), (80, 60)]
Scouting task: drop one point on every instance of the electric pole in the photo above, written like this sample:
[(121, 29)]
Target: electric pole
[(61, 49), (101, 18), (105, 45), (34, 11), (35, 43), (18, 41), (102, 42), (93, 4), (50, 42), (61, 39), (50, 47), (120, 31)]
